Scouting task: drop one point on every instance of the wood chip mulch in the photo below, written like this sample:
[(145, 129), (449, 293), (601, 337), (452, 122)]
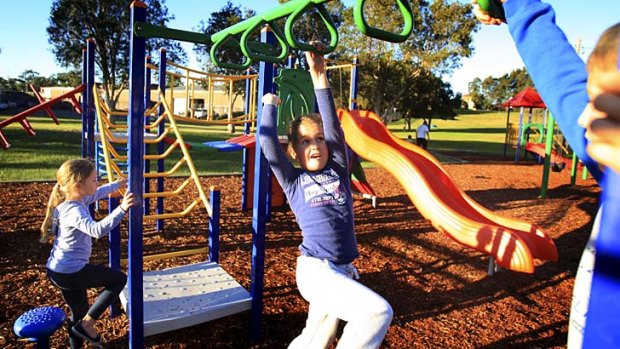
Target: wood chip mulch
[(440, 291)]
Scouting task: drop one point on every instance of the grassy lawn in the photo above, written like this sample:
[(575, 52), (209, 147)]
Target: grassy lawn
[(476, 132), (38, 157)]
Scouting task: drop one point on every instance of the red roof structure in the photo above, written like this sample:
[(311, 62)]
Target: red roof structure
[(528, 98)]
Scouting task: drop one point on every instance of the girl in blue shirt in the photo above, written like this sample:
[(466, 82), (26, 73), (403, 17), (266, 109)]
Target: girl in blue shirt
[(69, 222), (319, 194)]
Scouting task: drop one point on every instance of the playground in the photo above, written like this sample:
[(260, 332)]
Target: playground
[(440, 291), (470, 250)]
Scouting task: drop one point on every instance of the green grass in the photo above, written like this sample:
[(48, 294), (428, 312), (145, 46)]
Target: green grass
[(38, 157), (477, 132)]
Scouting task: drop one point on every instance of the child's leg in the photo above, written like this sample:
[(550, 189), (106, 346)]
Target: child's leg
[(329, 287), (581, 290), (100, 276), (319, 332), (77, 300)]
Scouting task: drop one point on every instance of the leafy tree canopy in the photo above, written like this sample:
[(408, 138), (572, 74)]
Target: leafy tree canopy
[(491, 92), (72, 22), (405, 77)]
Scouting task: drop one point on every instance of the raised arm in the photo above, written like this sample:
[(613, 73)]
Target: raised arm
[(268, 138), (334, 135)]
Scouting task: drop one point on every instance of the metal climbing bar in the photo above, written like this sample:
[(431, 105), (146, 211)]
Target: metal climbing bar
[(147, 30), (238, 35)]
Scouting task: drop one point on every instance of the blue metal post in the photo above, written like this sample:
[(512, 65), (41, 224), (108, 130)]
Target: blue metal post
[(214, 225), (147, 121), (246, 154), (114, 252), (354, 84), (136, 177), (90, 107), (160, 145), (259, 217), (84, 104)]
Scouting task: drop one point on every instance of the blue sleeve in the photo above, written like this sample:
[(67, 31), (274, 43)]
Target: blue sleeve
[(102, 192), (86, 224), (334, 136), (268, 138), (557, 71)]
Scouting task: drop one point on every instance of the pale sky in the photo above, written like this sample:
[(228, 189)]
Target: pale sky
[(24, 44)]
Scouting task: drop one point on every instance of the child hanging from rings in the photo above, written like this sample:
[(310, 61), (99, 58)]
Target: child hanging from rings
[(319, 194), (69, 223)]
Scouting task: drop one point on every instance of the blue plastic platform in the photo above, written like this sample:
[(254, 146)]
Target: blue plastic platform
[(39, 323), (223, 146)]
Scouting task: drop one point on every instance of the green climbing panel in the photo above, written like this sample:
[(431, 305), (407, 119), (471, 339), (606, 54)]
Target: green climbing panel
[(297, 94)]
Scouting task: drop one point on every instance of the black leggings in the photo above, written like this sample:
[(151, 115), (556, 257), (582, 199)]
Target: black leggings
[(74, 285)]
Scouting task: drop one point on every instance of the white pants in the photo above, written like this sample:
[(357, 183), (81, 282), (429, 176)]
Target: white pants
[(581, 290), (333, 294)]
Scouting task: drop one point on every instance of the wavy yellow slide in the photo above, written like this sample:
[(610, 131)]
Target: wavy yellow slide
[(513, 243)]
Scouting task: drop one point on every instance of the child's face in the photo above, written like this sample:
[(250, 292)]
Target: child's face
[(602, 130), (89, 185), (311, 150)]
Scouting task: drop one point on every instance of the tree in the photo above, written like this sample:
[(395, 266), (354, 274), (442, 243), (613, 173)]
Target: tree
[(72, 78), (72, 22), (493, 92), (395, 75), (218, 21), (31, 77)]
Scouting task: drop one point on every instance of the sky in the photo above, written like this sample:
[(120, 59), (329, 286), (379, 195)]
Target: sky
[(24, 44)]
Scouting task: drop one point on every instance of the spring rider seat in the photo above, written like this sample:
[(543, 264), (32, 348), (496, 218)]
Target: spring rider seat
[(38, 324)]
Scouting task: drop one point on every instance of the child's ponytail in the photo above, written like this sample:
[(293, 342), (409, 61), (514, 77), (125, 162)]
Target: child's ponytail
[(69, 175), (56, 197)]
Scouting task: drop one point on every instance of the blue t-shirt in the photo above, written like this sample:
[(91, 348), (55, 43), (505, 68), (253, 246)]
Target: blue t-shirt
[(321, 200)]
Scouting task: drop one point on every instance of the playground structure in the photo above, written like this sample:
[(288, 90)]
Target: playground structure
[(549, 144), (514, 249), (190, 274), (21, 117), (139, 322), (192, 112)]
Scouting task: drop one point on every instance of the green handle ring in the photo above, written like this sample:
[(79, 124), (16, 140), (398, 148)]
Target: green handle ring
[(494, 7), (405, 10), (281, 11), (257, 56), (222, 40), (331, 27)]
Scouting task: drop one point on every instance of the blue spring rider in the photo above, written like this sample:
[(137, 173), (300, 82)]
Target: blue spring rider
[(38, 325)]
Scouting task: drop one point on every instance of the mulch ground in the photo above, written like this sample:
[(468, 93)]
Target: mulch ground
[(440, 291)]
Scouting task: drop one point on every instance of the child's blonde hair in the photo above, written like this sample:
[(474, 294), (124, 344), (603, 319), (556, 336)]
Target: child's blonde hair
[(604, 57), (69, 174)]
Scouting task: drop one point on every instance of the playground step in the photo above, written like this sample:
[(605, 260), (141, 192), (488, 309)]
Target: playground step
[(188, 295)]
